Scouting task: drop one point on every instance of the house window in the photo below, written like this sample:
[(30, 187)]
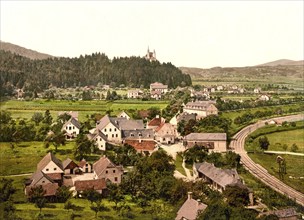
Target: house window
[(132, 135), (114, 171), (73, 127), (99, 139), (116, 135), (55, 168), (43, 181), (112, 135), (106, 171), (70, 128), (105, 130), (115, 129), (47, 169), (115, 179), (139, 134), (110, 129)]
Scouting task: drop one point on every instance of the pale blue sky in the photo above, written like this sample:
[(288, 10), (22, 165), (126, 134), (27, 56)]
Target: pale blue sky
[(194, 34)]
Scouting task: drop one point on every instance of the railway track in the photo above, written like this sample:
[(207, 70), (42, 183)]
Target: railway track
[(258, 171)]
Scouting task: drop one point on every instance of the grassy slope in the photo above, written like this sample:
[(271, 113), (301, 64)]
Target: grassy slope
[(294, 165)]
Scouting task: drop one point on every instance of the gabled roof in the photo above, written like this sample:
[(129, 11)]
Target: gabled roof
[(143, 145), (74, 122), (158, 85), (82, 163), (102, 164), (97, 133), (186, 117), (165, 127), (206, 137), (95, 184), (49, 188), (125, 124), (38, 175), (67, 162), (157, 121), (47, 159), (190, 209), (222, 177), (199, 104), (104, 121)]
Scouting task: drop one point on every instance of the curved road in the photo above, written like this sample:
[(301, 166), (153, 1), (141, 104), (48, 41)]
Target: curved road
[(258, 171)]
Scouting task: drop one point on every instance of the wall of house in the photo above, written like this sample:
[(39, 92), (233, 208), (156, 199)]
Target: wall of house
[(101, 143), (51, 167), (113, 133), (113, 174), (219, 146), (71, 129), (200, 113)]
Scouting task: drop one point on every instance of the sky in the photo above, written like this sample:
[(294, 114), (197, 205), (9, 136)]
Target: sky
[(201, 34)]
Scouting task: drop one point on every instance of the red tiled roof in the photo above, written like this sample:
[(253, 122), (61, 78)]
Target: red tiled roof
[(97, 184), (144, 145), (54, 176), (155, 122), (49, 188)]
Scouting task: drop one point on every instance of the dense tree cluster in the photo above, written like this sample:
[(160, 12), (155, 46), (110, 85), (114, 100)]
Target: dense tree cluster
[(37, 75)]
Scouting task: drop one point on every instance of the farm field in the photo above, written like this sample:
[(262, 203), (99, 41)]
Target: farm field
[(25, 109), (295, 174)]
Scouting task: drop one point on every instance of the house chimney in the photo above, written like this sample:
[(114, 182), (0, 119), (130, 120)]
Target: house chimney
[(189, 195), (157, 116)]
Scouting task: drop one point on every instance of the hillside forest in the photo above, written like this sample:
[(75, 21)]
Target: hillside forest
[(90, 70)]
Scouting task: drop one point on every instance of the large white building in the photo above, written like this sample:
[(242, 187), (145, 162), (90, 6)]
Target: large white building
[(201, 108), (214, 142)]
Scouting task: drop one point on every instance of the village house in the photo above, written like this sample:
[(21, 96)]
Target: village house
[(141, 140), (156, 95), (106, 169), (190, 209), (213, 142), (69, 166), (71, 128), (257, 90), (166, 134), (85, 166), (219, 88), (112, 127), (155, 122), (283, 214), (49, 175), (70, 113), (158, 87), (184, 116), (99, 139), (200, 95), (134, 94), (264, 97), (201, 108), (123, 114), (97, 185), (219, 178)]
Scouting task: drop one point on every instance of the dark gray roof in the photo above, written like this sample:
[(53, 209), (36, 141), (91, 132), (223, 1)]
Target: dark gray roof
[(222, 177), (190, 209), (199, 104), (48, 158), (97, 133), (138, 134), (206, 137), (120, 123), (73, 121), (186, 117)]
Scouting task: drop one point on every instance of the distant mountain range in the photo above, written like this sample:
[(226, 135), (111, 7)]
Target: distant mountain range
[(31, 54), (283, 62)]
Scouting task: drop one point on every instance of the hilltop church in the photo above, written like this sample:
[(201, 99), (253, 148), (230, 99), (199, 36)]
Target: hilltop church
[(150, 55)]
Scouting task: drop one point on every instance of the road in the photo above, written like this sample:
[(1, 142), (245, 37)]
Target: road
[(258, 171)]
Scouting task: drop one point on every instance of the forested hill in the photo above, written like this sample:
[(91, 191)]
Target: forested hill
[(22, 72)]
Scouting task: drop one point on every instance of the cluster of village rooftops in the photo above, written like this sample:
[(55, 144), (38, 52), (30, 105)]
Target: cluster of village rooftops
[(146, 137), (52, 173)]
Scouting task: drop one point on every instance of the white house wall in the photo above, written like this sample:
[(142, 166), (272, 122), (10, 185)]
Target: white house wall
[(51, 167)]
